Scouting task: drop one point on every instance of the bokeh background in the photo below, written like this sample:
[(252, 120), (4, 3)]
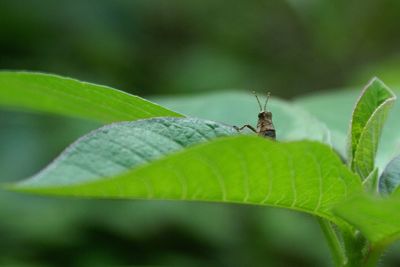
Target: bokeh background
[(176, 47)]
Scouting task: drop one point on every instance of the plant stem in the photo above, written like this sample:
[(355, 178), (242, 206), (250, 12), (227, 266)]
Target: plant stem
[(372, 257), (334, 243), (354, 244)]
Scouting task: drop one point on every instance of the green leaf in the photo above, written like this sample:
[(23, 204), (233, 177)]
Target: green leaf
[(371, 183), (64, 96), (305, 176), (119, 147), (378, 219), (334, 108), (366, 125), (390, 178), (238, 108)]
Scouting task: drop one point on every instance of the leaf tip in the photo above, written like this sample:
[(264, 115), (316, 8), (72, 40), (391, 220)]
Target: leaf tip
[(378, 82)]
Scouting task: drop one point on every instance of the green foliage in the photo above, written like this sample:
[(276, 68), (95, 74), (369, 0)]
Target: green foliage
[(378, 219), (334, 109), (65, 96), (118, 43), (369, 115), (238, 108), (390, 178), (301, 175), (165, 47), (123, 146), (371, 182), (178, 159)]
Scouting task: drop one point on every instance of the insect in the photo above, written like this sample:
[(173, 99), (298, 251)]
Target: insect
[(265, 127)]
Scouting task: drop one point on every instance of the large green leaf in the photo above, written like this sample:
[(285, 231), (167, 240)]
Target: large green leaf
[(119, 147), (366, 125), (304, 175), (377, 218), (239, 108), (65, 96), (335, 108)]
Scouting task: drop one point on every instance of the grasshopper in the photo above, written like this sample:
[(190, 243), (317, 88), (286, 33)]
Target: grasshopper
[(265, 127)]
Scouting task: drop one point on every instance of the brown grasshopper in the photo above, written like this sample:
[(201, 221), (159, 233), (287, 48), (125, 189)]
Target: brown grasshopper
[(265, 127)]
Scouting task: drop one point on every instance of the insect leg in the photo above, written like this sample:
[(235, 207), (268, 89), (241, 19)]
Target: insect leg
[(245, 126)]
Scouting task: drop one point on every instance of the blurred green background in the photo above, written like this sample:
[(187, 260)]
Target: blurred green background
[(157, 47)]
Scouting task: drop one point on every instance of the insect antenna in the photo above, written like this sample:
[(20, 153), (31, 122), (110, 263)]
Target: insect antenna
[(258, 100), (266, 101)]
